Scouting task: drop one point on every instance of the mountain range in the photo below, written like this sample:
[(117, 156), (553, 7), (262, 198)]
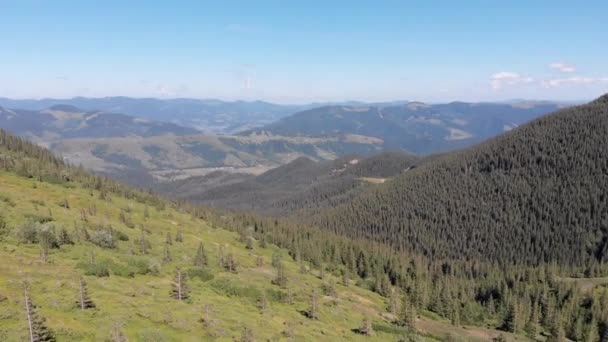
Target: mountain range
[(413, 127)]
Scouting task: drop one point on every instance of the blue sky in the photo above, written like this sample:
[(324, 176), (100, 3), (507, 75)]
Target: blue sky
[(302, 51)]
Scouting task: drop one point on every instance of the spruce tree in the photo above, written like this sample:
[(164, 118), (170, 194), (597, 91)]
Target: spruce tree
[(144, 245), (313, 307), (180, 288), (179, 237), (84, 301), (281, 278), (407, 314), (246, 335), (230, 263), (510, 321), (37, 329), (117, 335), (166, 254), (366, 327), (200, 260)]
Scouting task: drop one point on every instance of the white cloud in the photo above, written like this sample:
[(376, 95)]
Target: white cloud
[(575, 80), (507, 78), (562, 67)]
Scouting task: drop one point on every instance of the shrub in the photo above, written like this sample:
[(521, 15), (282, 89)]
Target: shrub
[(200, 273), (121, 236), (231, 289), (103, 239), (100, 269), (27, 232)]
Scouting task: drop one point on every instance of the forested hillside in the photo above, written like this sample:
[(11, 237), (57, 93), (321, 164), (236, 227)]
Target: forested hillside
[(534, 195)]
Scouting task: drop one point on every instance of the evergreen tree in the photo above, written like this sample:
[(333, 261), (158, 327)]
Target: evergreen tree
[(166, 254), (345, 278), (281, 278), (366, 327), (84, 301), (200, 260), (169, 241), (180, 288), (407, 314), (532, 326), (246, 335), (144, 245), (37, 329), (117, 335), (179, 237), (230, 263), (510, 322), (313, 306), (249, 243)]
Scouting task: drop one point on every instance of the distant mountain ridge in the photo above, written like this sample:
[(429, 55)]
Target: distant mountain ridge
[(65, 122), (415, 127)]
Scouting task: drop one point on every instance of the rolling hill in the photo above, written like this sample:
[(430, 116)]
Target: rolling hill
[(177, 157), (533, 195), (301, 186), (66, 122), (413, 127)]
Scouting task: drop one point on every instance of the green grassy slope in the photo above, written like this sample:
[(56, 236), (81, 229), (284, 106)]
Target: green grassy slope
[(142, 304)]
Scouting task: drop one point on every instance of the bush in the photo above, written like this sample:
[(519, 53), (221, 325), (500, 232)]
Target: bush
[(100, 269), (103, 239), (27, 232), (231, 289), (38, 218), (200, 273), (139, 266), (121, 236)]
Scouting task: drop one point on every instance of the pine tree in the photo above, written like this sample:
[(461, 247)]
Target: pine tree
[(259, 261), (532, 328), (179, 237), (180, 287), (249, 243), (366, 327), (117, 334), (166, 254), (591, 334), (230, 263), (393, 305), (510, 322), (169, 241), (407, 314), (313, 308), (263, 303), (84, 301), (281, 278), (246, 335), (37, 329), (144, 245), (200, 260), (345, 278)]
